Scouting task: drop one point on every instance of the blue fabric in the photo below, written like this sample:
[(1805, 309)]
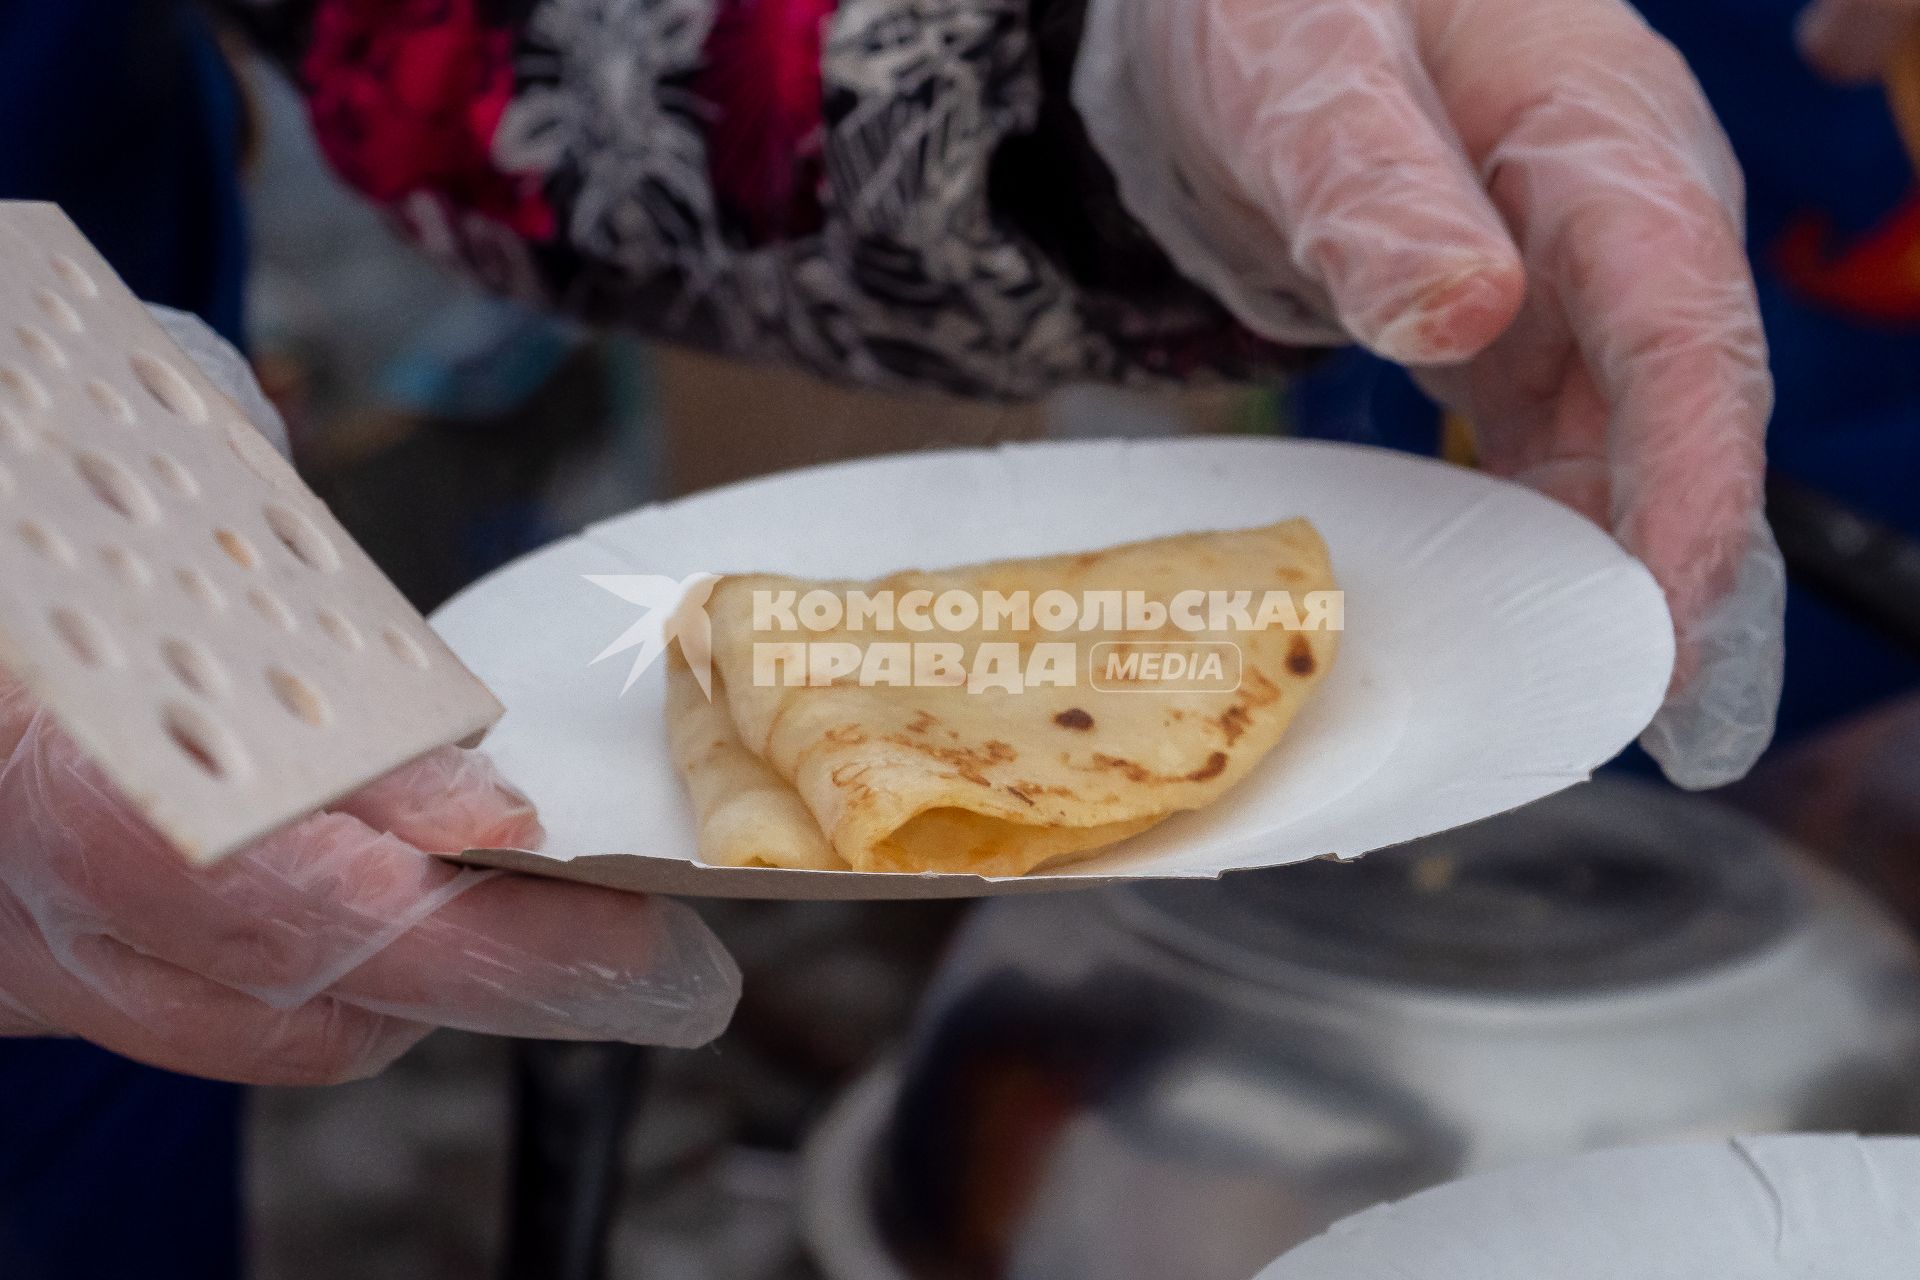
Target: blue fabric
[(1848, 412), (110, 1170), (122, 112)]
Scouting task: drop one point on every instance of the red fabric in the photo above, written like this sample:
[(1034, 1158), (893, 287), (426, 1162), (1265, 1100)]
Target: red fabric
[(764, 138), (405, 97), (1877, 277)]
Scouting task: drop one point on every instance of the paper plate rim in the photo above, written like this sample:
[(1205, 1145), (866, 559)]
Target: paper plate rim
[(1780, 1177), (685, 875)]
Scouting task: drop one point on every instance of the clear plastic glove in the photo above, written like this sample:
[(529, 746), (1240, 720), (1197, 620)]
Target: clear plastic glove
[(1532, 206), (326, 950), (1852, 41)]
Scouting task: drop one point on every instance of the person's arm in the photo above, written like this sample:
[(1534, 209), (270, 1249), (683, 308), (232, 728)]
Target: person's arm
[(1529, 203), (1532, 205), (867, 190), (327, 949)]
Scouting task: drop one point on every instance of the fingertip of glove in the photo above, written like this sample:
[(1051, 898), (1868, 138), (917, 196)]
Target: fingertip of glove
[(1456, 319), (447, 801), (1719, 718), (500, 814), (516, 827), (694, 982)]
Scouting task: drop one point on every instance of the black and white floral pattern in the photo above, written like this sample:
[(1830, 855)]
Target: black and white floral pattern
[(911, 277), (909, 283), (605, 110)]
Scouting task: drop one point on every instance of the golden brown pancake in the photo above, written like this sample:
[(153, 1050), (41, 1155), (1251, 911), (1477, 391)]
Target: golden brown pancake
[(990, 780)]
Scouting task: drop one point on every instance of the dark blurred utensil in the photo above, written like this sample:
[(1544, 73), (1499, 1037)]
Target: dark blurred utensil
[(571, 1106), (1866, 569)]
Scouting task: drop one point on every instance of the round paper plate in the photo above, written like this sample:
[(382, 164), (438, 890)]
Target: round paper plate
[(1789, 1207), (1497, 646)]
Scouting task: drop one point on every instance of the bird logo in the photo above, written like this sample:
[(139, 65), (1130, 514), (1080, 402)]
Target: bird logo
[(675, 610)]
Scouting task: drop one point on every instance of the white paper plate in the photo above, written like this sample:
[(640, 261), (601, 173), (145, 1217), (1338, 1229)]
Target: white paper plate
[(1497, 648), (1791, 1207)]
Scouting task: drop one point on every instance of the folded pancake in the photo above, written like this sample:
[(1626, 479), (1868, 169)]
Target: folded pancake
[(747, 814), (991, 780)]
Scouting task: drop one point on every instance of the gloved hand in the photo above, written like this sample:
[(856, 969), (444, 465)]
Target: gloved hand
[(326, 950), (1529, 204), (1851, 41)]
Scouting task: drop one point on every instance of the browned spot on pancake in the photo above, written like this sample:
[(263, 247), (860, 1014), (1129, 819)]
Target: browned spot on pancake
[(847, 777), (1256, 691), (922, 721), (1300, 656), (967, 763), (1074, 718), (1138, 773), (845, 735), (1133, 772), (1119, 653), (1019, 793), (1216, 764)]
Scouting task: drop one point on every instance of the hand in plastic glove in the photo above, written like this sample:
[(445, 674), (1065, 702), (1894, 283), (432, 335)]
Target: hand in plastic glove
[(326, 950), (1852, 41), (1532, 205)]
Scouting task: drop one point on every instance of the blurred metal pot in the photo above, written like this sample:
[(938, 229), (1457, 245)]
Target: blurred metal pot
[(1179, 1081)]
